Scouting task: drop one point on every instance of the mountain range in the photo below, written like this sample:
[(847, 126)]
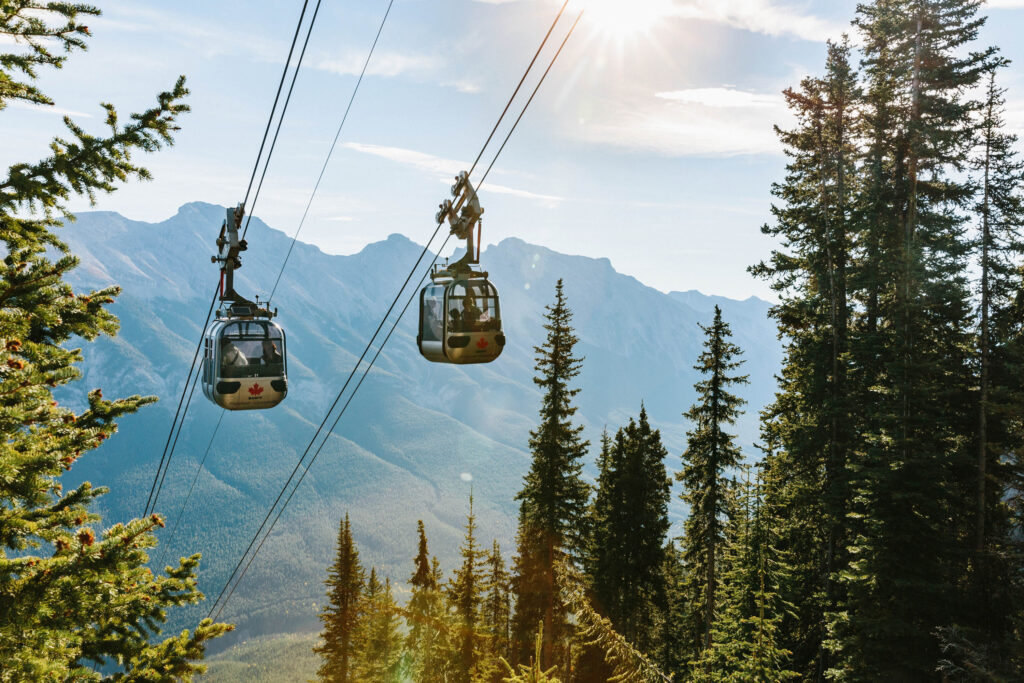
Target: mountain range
[(418, 437)]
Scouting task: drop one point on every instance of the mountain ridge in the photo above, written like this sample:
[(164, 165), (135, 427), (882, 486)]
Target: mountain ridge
[(422, 432)]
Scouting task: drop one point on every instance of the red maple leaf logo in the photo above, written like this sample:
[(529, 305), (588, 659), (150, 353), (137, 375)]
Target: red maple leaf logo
[(255, 390), (482, 344)]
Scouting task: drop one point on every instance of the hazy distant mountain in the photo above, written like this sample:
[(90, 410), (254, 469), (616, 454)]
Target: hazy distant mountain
[(416, 432)]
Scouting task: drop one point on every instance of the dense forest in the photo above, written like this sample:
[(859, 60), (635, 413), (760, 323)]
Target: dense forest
[(876, 536)]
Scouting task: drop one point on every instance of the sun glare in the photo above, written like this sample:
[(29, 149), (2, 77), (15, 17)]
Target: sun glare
[(626, 17)]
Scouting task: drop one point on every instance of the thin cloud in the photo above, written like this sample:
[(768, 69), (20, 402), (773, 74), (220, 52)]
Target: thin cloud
[(1005, 4), (761, 16), (725, 98), (45, 108), (445, 169), (696, 122), (387, 64)]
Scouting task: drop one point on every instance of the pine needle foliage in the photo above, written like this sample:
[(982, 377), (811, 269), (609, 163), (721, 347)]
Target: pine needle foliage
[(343, 612), (72, 596), (554, 496), (710, 453), (378, 641), (629, 665), (427, 643)]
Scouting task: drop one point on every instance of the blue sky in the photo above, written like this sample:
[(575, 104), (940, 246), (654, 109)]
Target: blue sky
[(649, 144)]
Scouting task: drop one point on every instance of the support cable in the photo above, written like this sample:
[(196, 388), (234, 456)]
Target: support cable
[(337, 135), (280, 120), (225, 594), (168, 452)]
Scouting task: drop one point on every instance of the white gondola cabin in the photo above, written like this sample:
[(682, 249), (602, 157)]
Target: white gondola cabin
[(244, 365), (460, 322)]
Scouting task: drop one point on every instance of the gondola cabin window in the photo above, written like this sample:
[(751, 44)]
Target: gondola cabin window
[(473, 307), (251, 348)]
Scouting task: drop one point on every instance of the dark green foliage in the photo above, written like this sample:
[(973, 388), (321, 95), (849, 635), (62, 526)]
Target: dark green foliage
[(496, 610), (629, 527), (710, 452), (999, 248), (911, 336), (625, 663), (70, 596), (882, 472), (554, 496), (465, 595), (745, 637), (342, 614), (810, 426), (426, 644), (378, 642)]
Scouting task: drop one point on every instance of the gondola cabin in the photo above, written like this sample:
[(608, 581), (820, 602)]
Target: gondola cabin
[(460, 322), (244, 364)]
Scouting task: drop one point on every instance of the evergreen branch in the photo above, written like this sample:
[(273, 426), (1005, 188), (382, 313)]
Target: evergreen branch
[(26, 21), (89, 164), (630, 665)]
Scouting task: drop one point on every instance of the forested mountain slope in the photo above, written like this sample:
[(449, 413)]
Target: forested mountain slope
[(416, 433)]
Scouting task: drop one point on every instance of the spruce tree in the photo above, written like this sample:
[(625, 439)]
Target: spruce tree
[(377, 656), (72, 596), (710, 453), (465, 595), (630, 524), (907, 491), (496, 610), (814, 413), (554, 496), (745, 637), (427, 642), (342, 613), (999, 247)]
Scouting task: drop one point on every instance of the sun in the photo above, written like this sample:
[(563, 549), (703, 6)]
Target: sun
[(623, 18)]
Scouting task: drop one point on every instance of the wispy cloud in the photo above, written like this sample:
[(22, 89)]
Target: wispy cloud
[(22, 104), (388, 64), (761, 16), (693, 122), (445, 169), (1005, 4)]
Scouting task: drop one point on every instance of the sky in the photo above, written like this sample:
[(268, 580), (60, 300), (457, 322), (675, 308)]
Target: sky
[(651, 141)]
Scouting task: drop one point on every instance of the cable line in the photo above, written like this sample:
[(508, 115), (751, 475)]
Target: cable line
[(280, 120), (309, 203), (188, 496), (168, 452), (273, 108), (174, 422), (225, 594), (337, 135)]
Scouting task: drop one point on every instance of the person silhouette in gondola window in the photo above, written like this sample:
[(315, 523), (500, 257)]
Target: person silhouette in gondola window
[(231, 357), (470, 313), (270, 353)]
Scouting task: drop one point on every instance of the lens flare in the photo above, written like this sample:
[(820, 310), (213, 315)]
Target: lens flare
[(623, 18)]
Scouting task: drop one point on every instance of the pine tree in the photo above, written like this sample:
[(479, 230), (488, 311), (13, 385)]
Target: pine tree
[(999, 249), (427, 642), (630, 524), (906, 537), (710, 452), (554, 496), (377, 655), (465, 595), (342, 613), (745, 637), (496, 610), (814, 413), (674, 648), (71, 596)]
